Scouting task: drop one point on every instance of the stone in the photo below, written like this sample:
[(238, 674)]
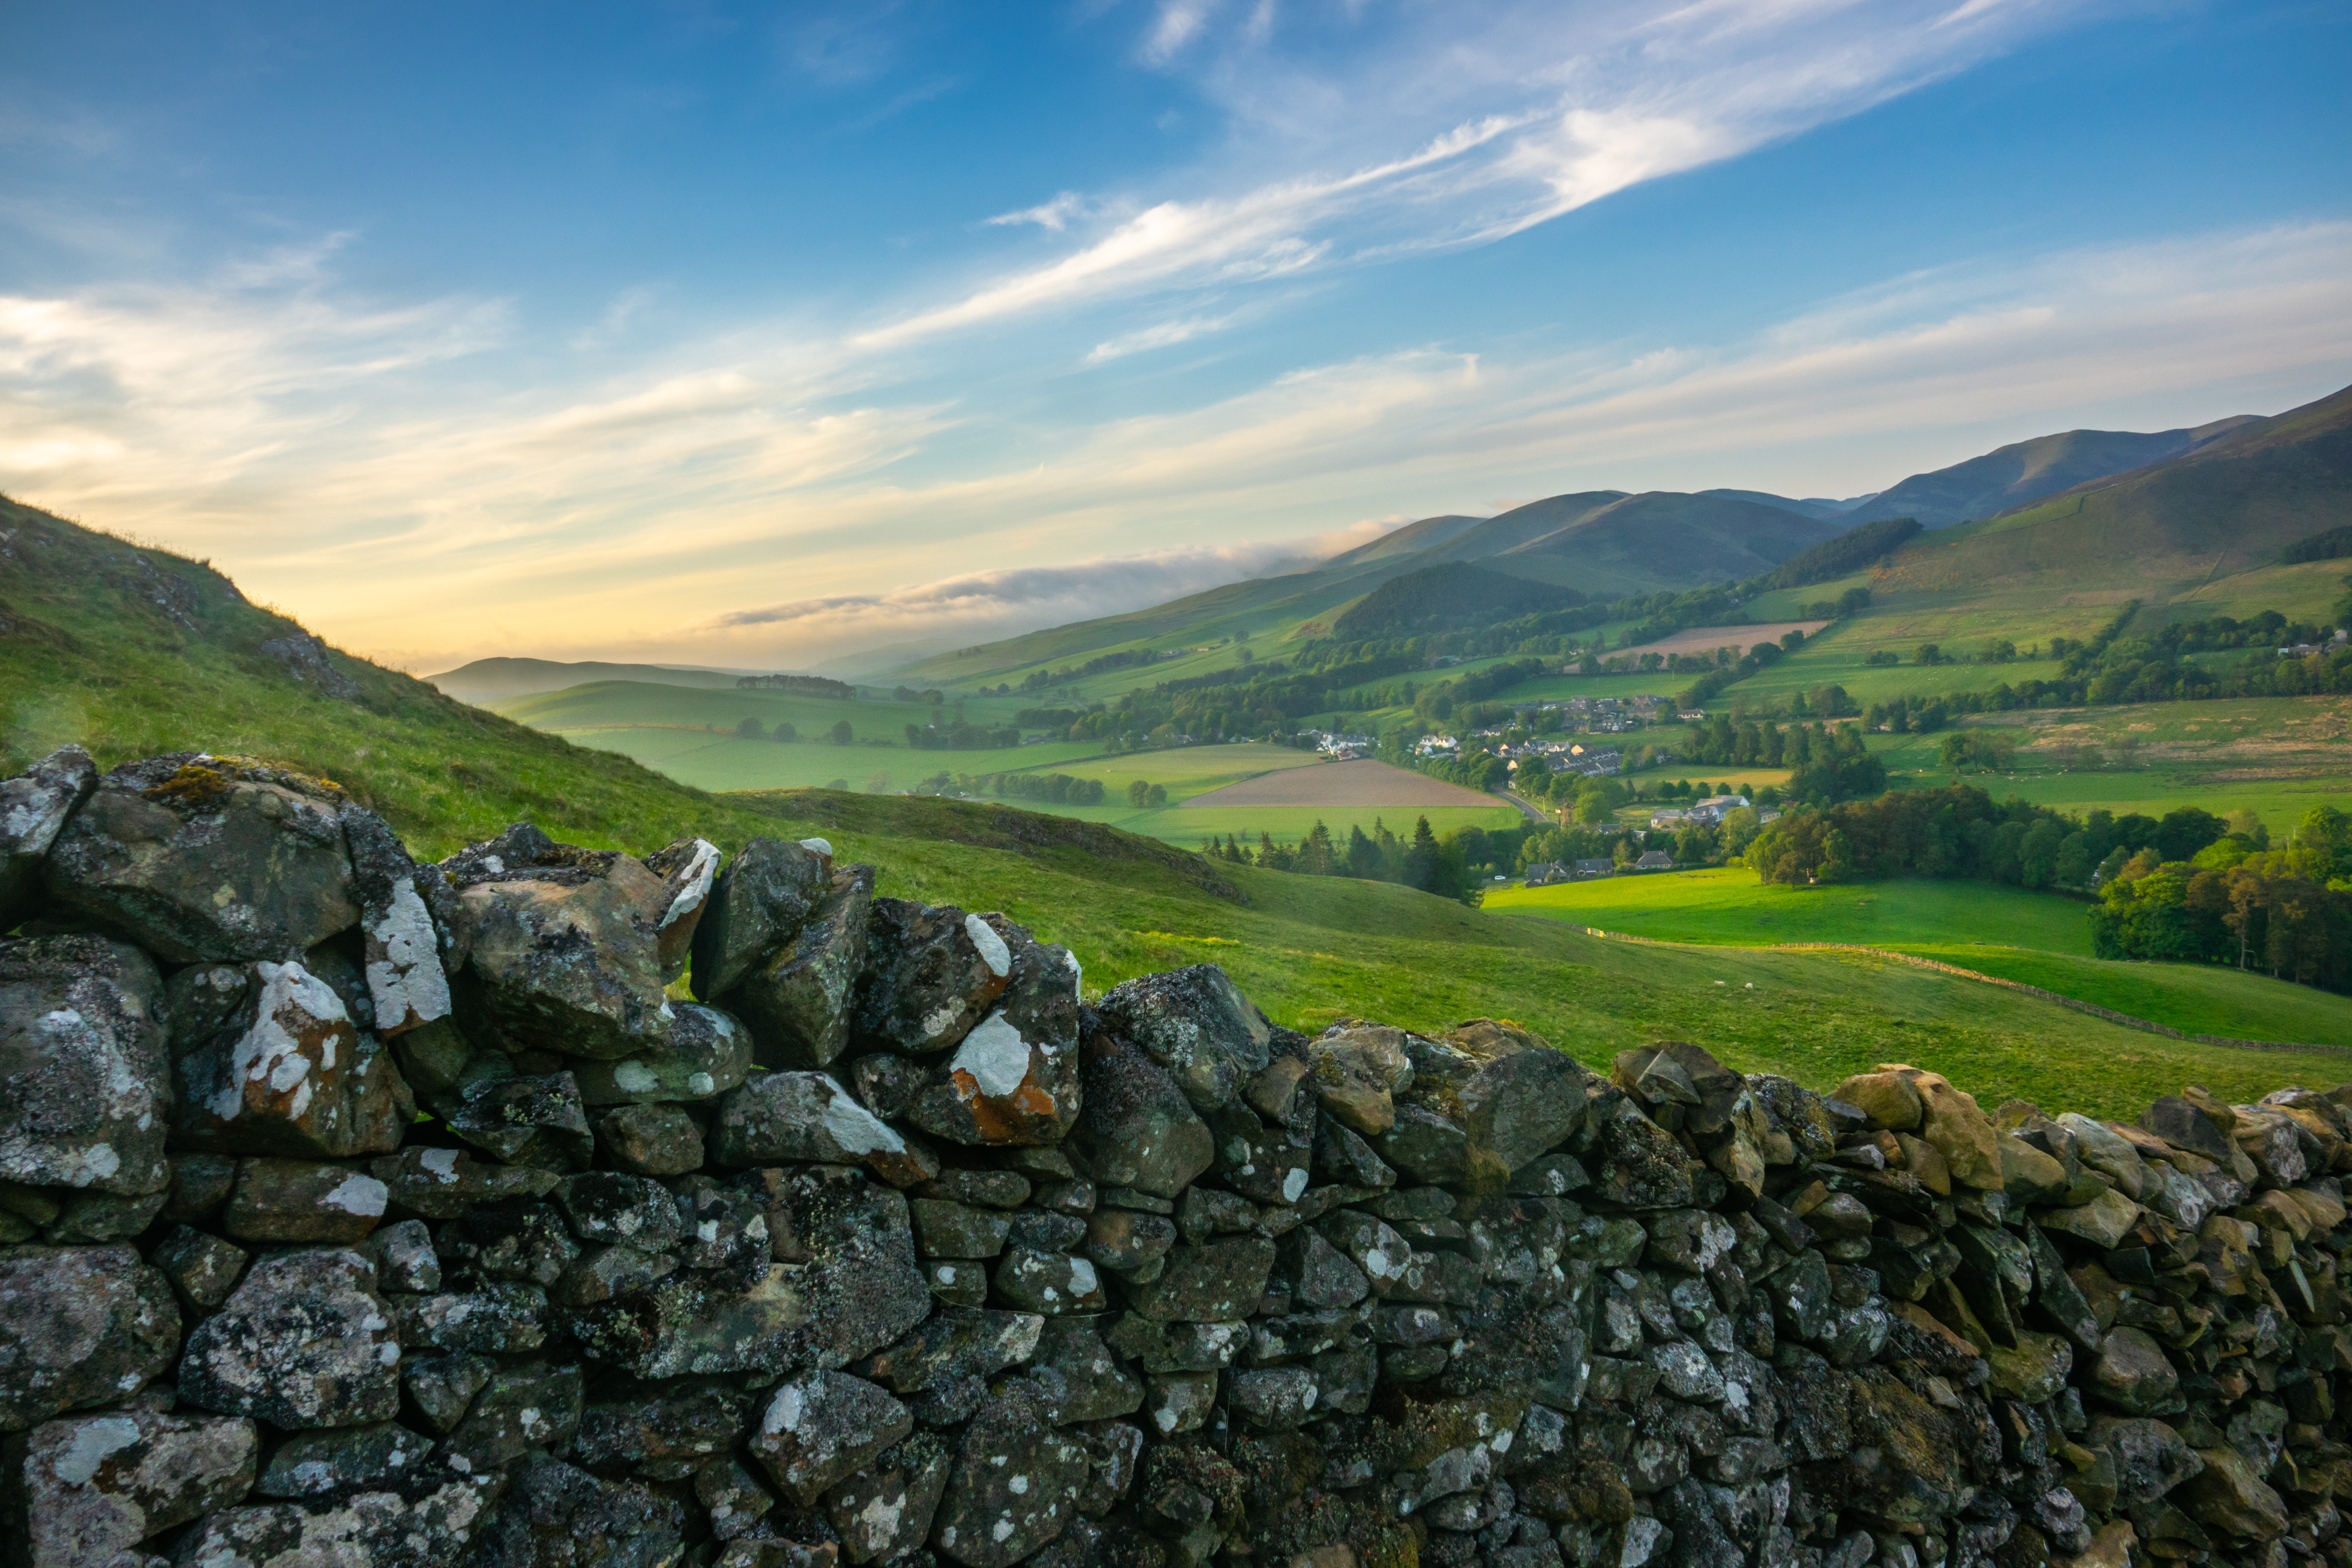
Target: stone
[(1958, 1129), (661, 1431), (884, 1510), (303, 1201), (2099, 1147), (1078, 1376), (200, 1184), (560, 945), (207, 860), (2102, 1222), (760, 902), (1052, 1283), (1135, 1127), (955, 1344), (2133, 1374), (302, 1341), (1431, 1146), (1320, 1277), (85, 1089), (809, 1116), (1638, 1164), (537, 1122), (1886, 1097), (688, 868), (707, 1054), (441, 1388), (737, 1502), (1269, 1165), (1283, 1093), (357, 1458), (650, 1140), (380, 1529), (2230, 1495), (275, 1065), (2031, 1371), (1007, 1494), (1358, 1071), (798, 1002), (33, 805), (2151, 1457), (2029, 1176), (1377, 1252), (87, 1487), (932, 973), (1274, 1398), (201, 1267), (555, 1514), (442, 1184), (523, 1407), (2185, 1126), (824, 1427), (613, 1208), (1016, 1078), (1214, 1282), (79, 1326), (402, 909), (1197, 1024), (1124, 1240), (944, 1229)]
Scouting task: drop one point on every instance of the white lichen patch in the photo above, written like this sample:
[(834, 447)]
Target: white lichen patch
[(994, 1054), (358, 1194), (856, 1129), (403, 970), (693, 883), (94, 1442), (993, 950)]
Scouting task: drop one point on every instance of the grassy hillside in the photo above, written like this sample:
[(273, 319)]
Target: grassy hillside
[(134, 651), (489, 680), (2023, 472)]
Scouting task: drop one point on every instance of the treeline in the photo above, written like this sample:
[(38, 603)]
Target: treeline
[(2238, 902), (1058, 789), (1848, 552), (959, 736), (799, 685), (1449, 867)]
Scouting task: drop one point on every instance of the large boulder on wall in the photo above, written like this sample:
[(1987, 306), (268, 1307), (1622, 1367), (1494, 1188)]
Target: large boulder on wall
[(208, 860), (85, 1091), (562, 944)]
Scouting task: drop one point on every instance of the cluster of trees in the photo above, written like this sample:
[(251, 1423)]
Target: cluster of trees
[(753, 730), (2239, 901), (1850, 551), (1449, 867), (1058, 789), (1125, 658), (1958, 831), (799, 685), (957, 735), (1142, 793), (909, 694)]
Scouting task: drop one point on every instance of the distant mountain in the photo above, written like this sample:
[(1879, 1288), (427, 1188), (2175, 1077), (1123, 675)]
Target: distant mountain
[(2023, 472), (1408, 540), (1813, 506), (2229, 504), (490, 679)]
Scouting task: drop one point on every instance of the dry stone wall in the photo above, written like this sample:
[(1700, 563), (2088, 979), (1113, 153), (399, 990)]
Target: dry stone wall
[(557, 1206)]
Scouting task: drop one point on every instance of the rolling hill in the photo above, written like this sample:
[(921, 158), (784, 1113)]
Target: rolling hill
[(491, 680)]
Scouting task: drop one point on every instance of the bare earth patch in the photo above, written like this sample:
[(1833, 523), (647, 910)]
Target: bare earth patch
[(1706, 640), (1360, 782)]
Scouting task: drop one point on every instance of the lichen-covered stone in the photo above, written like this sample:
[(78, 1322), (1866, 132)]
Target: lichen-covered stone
[(524, 1406), (798, 1002), (561, 944), (403, 907), (87, 1487), (821, 1428), (1196, 1024), (932, 973), (1010, 1492), (1136, 1127), (809, 1116), (78, 1326), (207, 860), (201, 1266), (1016, 1078), (332, 1463), (268, 1061), (442, 1184), (555, 1514), (883, 1512), (707, 1053), (1214, 1282), (650, 1140), (85, 1089), (661, 1431), (689, 868), (535, 1122), (380, 1529), (33, 805), (759, 903), (303, 1342), (303, 1201)]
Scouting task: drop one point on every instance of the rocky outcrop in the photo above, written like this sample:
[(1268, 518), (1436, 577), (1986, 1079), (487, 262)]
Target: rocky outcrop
[(893, 1248)]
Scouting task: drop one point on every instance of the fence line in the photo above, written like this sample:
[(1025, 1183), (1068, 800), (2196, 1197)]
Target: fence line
[(2076, 1003)]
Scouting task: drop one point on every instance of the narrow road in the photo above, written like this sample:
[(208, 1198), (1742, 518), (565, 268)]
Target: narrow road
[(1533, 814)]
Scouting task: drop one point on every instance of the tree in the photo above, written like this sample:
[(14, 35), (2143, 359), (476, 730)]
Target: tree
[(878, 781), (1156, 796), (1424, 863), (840, 732), (1139, 793), (750, 729), (783, 731)]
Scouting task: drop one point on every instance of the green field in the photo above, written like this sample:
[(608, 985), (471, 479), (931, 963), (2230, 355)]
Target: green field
[(2037, 938), (98, 660), (1731, 905)]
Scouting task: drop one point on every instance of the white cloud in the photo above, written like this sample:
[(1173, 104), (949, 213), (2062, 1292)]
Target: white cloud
[(1055, 215), (1158, 335)]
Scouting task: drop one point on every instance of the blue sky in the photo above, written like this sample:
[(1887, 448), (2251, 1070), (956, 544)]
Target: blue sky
[(764, 335)]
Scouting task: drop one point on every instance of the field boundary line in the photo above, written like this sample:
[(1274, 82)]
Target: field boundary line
[(2076, 1003)]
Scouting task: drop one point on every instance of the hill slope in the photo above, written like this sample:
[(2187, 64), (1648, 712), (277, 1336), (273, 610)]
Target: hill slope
[(132, 652), (2025, 471)]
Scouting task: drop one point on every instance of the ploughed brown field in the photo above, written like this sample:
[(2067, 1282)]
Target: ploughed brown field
[(1360, 783), (1706, 640)]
